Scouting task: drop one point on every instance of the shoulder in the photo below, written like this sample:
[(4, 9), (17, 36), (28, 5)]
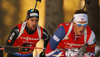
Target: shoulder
[(19, 25), (64, 24), (45, 32), (92, 38), (89, 31), (91, 35), (60, 33), (15, 29), (45, 35)]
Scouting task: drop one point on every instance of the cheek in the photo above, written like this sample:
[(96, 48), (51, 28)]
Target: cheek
[(76, 27), (29, 24), (36, 22)]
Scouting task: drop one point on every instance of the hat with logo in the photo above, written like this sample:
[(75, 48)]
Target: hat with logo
[(80, 17), (32, 13)]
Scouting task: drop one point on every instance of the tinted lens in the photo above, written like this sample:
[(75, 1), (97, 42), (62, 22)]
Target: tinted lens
[(84, 25), (79, 25)]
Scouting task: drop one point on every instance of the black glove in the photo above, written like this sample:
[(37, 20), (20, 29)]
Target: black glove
[(42, 54), (25, 49)]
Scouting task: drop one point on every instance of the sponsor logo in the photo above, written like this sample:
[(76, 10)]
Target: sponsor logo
[(16, 30), (73, 44), (82, 18), (29, 42), (33, 14), (28, 38), (56, 38), (12, 36)]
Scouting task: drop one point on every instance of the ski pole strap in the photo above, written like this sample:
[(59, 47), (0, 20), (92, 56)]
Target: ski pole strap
[(69, 30), (85, 36), (22, 28), (39, 31)]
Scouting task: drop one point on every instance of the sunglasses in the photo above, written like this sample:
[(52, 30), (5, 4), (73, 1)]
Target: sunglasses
[(79, 24)]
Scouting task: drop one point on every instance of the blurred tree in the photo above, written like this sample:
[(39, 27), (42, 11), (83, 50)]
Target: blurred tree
[(93, 15), (0, 21), (54, 15), (1, 52), (9, 10), (9, 17)]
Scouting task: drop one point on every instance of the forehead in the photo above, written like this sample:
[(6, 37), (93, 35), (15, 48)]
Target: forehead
[(33, 18)]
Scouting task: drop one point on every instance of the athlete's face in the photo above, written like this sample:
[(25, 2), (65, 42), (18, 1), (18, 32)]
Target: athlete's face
[(79, 27), (32, 23)]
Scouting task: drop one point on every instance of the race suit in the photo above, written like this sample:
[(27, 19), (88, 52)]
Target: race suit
[(28, 36), (58, 41)]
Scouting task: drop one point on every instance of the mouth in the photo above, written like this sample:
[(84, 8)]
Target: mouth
[(34, 26), (81, 32)]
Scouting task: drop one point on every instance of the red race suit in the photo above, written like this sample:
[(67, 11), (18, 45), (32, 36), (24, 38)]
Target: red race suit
[(59, 41)]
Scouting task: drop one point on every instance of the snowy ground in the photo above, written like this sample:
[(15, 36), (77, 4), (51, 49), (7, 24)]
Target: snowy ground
[(97, 48)]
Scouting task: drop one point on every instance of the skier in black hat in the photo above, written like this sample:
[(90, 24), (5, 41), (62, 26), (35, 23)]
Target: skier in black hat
[(26, 34)]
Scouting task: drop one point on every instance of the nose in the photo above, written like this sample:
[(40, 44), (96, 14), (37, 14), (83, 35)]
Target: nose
[(81, 27), (34, 22)]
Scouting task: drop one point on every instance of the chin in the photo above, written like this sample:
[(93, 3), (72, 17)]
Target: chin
[(81, 34), (32, 29)]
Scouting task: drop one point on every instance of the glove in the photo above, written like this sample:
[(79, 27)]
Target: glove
[(88, 54), (71, 54), (74, 54), (25, 49), (42, 54)]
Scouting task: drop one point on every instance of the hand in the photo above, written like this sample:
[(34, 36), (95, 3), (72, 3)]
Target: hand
[(71, 54), (25, 49), (74, 54), (88, 54)]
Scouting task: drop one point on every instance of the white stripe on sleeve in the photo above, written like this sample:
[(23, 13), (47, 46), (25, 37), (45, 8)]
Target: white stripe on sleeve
[(91, 39)]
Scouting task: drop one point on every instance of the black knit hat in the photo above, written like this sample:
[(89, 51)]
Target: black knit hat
[(32, 13)]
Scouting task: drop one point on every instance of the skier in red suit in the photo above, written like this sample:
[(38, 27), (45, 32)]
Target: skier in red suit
[(69, 38), (26, 34)]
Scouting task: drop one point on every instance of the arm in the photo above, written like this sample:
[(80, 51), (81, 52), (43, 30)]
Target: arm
[(54, 41), (11, 39), (45, 37), (91, 44)]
